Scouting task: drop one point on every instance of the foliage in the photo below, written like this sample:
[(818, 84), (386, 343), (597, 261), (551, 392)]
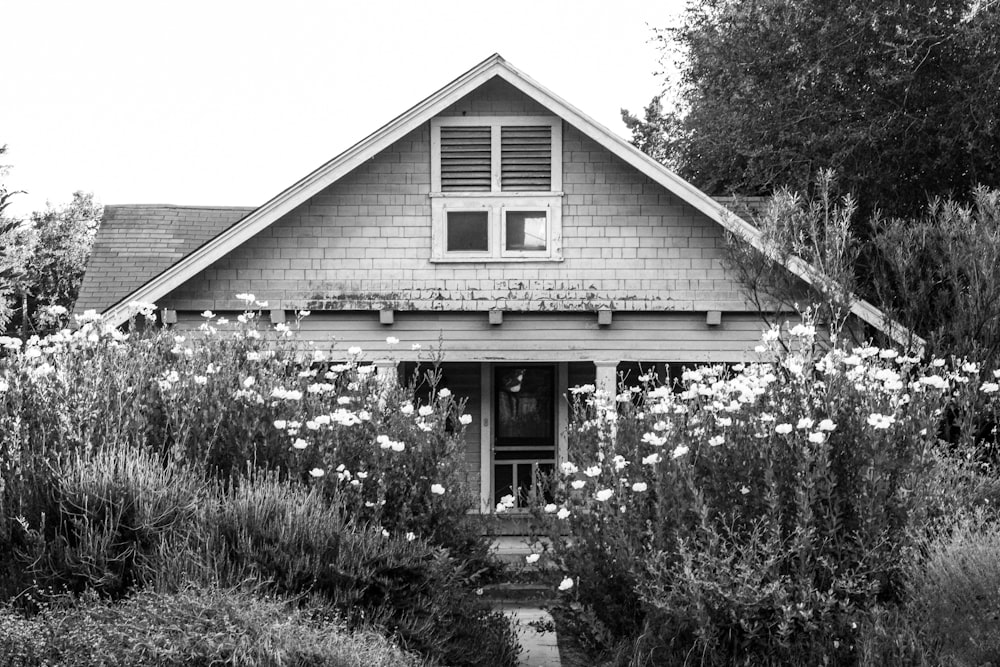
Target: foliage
[(939, 274), (757, 515), (955, 592), (192, 626), (900, 99), (797, 229), (147, 460)]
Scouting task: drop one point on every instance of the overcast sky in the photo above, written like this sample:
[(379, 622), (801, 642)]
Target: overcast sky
[(227, 103)]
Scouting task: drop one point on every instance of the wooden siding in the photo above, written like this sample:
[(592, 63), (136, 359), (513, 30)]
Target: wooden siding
[(464, 337), (365, 243)]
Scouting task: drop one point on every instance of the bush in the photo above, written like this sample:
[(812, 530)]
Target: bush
[(756, 513), (956, 592), (230, 456), (191, 627)]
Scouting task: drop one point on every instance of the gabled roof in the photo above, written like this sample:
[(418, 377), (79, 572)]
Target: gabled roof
[(136, 243), (254, 222)]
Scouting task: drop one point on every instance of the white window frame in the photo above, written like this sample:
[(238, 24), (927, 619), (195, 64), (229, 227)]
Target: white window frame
[(496, 202)]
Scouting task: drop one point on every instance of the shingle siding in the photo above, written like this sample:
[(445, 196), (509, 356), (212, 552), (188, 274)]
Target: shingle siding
[(365, 242)]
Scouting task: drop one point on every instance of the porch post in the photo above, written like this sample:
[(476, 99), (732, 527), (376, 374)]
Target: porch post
[(607, 378), (606, 382), (385, 372)]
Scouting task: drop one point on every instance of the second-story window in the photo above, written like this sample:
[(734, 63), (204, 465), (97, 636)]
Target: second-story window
[(496, 188)]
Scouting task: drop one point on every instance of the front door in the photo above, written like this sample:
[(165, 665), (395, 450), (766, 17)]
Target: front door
[(524, 436)]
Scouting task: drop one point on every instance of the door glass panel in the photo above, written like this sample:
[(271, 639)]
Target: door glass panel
[(525, 406), (524, 434), (503, 480)]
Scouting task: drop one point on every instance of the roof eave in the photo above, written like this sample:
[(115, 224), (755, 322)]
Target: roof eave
[(423, 111)]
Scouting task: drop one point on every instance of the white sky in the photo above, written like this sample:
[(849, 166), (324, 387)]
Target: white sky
[(212, 102)]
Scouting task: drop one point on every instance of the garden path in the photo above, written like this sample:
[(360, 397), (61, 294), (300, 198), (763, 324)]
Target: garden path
[(539, 647)]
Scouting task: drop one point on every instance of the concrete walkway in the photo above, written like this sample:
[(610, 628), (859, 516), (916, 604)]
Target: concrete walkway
[(539, 648)]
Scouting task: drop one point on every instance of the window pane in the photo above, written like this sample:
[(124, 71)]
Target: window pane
[(526, 230), (468, 230), (525, 410)]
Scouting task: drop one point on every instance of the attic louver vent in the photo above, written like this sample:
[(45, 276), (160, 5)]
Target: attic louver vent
[(526, 159), (465, 159)]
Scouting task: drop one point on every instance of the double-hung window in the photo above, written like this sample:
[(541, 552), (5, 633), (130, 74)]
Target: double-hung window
[(496, 188)]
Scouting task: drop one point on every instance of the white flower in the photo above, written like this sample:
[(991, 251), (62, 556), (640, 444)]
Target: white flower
[(391, 340), (826, 425), (531, 558), (744, 490), (410, 537), (362, 474), (879, 421), (620, 462), (563, 513), (200, 380), (654, 439), (804, 423), (679, 451), (249, 381), (4, 386), (406, 409), (354, 350), (803, 331), (639, 487), (437, 489), (317, 472), (578, 484), (385, 533), (444, 393), (592, 471), (300, 443), (604, 494), (817, 438), (568, 468), (715, 441), (465, 420), (249, 298), (566, 584), (550, 508), (397, 446), (990, 387), (425, 411), (783, 429), (655, 458)]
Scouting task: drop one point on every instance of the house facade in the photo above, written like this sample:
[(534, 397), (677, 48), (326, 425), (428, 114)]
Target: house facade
[(492, 220)]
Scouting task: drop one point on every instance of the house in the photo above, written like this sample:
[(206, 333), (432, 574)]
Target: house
[(542, 250)]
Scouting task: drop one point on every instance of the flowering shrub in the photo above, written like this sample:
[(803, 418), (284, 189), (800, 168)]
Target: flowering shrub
[(753, 513), (154, 458)]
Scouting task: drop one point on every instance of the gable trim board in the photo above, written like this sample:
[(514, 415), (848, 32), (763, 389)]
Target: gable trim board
[(494, 66)]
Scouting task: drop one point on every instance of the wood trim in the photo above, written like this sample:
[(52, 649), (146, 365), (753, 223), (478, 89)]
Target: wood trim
[(562, 413), (486, 438)]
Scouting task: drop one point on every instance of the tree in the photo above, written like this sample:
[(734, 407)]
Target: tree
[(939, 274), (63, 237), (15, 247), (901, 98)]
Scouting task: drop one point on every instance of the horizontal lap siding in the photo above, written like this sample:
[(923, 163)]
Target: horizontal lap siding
[(680, 337)]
